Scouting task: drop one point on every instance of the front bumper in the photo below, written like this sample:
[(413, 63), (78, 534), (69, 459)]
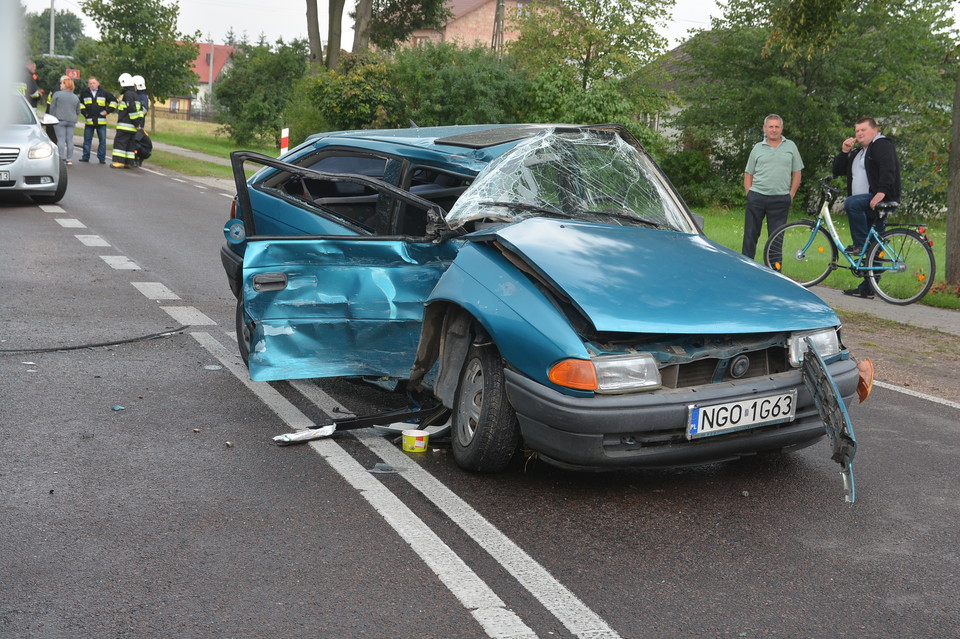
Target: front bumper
[(646, 430)]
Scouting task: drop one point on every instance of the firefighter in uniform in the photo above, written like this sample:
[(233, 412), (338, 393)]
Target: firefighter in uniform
[(96, 102), (129, 119)]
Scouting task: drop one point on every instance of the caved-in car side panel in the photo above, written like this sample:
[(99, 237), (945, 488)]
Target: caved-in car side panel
[(329, 307), (529, 331)]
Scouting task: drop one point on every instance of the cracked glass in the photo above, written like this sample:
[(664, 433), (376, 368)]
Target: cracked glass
[(589, 175)]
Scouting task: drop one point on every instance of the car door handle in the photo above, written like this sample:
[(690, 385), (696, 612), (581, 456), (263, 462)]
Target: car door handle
[(270, 282)]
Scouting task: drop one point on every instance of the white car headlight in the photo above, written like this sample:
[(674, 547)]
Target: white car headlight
[(42, 150), (826, 341), (626, 373)]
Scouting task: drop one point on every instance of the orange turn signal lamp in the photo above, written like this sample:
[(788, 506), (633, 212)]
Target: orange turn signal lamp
[(574, 373)]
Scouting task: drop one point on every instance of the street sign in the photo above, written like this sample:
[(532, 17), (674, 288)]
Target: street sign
[(73, 74)]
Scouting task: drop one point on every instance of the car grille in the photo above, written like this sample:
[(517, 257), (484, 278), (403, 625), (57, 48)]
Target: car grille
[(8, 156), (711, 370)]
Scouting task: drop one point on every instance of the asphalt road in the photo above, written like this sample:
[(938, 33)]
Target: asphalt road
[(141, 496)]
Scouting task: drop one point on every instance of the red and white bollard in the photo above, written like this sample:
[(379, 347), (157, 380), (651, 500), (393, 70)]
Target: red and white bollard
[(284, 140)]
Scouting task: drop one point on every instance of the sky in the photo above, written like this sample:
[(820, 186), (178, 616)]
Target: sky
[(287, 18)]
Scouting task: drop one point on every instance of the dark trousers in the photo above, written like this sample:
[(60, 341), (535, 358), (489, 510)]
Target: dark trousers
[(773, 207), (861, 217), (124, 147), (101, 131)]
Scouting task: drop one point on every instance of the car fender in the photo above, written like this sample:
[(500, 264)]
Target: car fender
[(528, 330)]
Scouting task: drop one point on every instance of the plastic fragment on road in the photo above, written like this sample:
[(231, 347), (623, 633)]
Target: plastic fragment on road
[(118, 407), (383, 469), (836, 421), (305, 435)]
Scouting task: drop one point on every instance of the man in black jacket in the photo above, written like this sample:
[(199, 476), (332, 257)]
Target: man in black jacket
[(873, 176), (96, 102)]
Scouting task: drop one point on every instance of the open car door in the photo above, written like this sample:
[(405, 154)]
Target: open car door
[(348, 304)]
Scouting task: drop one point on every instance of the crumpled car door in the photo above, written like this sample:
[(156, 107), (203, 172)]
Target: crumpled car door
[(337, 307)]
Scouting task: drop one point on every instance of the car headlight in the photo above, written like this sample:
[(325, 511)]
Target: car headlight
[(608, 374), (42, 150), (826, 341)]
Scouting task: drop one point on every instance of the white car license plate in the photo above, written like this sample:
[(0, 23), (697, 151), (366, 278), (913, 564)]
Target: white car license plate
[(4, 176), (714, 419)]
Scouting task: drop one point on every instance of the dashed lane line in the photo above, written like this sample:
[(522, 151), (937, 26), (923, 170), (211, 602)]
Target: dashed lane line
[(92, 240), (120, 262), (51, 208), (155, 291), (70, 223), (188, 316), (475, 595)]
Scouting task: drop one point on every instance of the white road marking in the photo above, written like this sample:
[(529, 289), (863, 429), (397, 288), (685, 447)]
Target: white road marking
[(563, 604), (70, 223), (200, 186), (918, 394), (152, 171), (51, 208), (475, 595), (155, 291), (227, 195), (286, 411), (188, 316), (120, 262), (320, 399), (555, 597), (179, 180), (92, 240)]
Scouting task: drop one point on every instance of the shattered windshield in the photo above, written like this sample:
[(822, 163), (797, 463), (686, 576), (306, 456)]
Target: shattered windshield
[(589, 175)]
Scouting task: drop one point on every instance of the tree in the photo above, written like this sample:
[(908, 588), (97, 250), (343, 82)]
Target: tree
[(253, 94), (593, 40), (805, 27), (392, 21), (140, 37), (68, 30), (334, 33), (881, 60)]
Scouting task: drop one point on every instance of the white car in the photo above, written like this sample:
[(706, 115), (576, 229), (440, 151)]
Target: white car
[(29, 160)]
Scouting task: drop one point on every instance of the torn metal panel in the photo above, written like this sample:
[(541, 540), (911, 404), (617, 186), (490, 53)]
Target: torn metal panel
[(829, 402)]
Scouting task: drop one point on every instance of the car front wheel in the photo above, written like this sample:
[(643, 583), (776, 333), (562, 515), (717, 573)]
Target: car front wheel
[(243, 332), (485, 432)]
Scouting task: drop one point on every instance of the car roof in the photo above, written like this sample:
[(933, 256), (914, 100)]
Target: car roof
[(467, 146)]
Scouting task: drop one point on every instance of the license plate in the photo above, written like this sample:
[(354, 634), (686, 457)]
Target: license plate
[(715, 419), (4, 176)]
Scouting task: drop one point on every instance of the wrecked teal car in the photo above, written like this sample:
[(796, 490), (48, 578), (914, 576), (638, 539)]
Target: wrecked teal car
[(545, 283)]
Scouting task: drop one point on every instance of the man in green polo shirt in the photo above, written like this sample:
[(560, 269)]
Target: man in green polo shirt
[(771, 180)]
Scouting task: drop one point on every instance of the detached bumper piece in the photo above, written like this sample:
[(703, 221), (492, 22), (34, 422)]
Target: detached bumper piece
[(835, 418)]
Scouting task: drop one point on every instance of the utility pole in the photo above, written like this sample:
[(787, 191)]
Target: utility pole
[(53, 14)]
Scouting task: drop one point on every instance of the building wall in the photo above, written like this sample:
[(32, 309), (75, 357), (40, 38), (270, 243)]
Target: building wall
[(474, 28)]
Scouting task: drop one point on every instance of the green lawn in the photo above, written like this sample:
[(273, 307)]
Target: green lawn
[(725, 226)]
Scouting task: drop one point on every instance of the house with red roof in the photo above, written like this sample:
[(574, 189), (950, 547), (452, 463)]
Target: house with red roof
[(212, 60)]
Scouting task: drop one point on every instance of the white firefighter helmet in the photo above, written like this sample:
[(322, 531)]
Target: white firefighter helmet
[(125, 80), (139, 83)]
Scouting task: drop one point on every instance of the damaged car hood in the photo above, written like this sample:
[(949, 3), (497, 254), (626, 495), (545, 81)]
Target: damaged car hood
[(639, 280)]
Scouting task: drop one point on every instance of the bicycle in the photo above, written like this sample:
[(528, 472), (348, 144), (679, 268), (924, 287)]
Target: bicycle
[(899, 264)]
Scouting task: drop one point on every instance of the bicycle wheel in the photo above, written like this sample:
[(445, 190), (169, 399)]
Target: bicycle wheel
[(911, 265), (802, 252)]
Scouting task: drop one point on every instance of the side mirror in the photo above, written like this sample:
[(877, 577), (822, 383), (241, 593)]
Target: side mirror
[(48, 119)]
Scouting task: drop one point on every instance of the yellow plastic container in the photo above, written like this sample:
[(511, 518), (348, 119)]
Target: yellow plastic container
[(415, 441)]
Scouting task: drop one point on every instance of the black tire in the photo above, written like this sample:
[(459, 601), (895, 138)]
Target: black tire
[(796, 252), (57, 195), (916, 267), (485, 433), (243, 333)]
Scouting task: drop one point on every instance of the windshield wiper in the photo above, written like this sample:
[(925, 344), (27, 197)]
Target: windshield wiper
[(633, 217), (528, 207)]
